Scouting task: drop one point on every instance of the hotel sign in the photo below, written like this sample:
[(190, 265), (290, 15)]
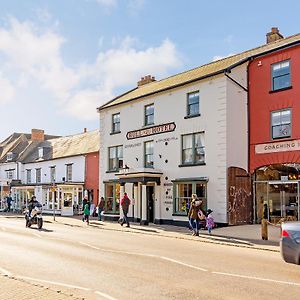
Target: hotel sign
[(278, 147), (151, 131)]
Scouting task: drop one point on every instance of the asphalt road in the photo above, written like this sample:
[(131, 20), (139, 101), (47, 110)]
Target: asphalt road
[(99, 264)]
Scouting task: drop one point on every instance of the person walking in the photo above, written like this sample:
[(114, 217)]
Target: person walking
[(193, 214), (100, 208), (210, 223), (84, 202), (125, 202), (86, 213), (8, 201)]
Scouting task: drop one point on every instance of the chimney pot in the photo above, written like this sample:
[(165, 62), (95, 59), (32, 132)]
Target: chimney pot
[(273, 35), (146, 79), (84, 129)]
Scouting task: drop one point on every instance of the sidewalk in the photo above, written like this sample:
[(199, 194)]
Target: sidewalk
[(15, 288), (240, 236)]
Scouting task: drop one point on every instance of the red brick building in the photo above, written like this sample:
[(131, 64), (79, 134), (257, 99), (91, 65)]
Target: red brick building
[(274, 130)]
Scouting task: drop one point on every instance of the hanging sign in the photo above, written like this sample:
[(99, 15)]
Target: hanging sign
[(151, 131)]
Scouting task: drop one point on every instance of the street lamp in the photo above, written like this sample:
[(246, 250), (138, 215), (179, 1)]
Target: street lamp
[(53, 198)]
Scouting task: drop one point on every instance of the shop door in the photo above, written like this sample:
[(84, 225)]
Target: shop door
[(283, 201), (240, 205), (150, 203)]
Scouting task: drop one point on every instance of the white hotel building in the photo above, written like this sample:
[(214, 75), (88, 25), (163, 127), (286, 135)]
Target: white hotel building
[(167, 139)]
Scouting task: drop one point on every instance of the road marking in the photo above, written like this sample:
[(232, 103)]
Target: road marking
[(145, 255), (90, 246), (105, 295), (4, 272), (257, 278), (183, 264), (55, 283), (36, 234)]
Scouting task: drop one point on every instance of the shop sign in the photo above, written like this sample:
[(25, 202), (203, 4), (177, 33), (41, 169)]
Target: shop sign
[(278, 147), (168, 127)]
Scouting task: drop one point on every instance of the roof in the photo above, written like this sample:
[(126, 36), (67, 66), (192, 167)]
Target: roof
[(207, 70), (73, 145)]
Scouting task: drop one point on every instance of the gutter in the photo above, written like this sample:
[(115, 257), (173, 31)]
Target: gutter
[(226, 70)]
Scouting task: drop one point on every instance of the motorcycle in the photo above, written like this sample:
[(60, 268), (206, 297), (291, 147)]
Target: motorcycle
[(35, 217)]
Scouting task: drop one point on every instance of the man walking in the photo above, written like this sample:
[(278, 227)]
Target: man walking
[(125, 202), (100, 208)]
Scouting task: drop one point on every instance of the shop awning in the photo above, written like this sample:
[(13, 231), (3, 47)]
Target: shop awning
[(191, 179)]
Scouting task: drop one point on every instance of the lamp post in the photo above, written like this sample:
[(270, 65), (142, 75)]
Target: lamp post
[(53, 199)]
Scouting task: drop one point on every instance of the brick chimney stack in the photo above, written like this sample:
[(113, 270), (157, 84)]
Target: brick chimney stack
[(273, 35), (37, 135), (145, 80)]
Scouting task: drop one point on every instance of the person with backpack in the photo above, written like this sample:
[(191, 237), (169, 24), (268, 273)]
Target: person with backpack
[(125, 202), (193, 214)]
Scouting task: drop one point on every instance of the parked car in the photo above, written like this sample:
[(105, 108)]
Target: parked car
[(290, 242)]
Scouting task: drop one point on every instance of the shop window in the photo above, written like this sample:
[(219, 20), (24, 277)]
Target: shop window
[(193, 150), (116, 123), (193, 104), (281, 75), (38, 173), (112, 197), (183, 194), (149, 114), (149, 158), (115, 158), (281, 124)]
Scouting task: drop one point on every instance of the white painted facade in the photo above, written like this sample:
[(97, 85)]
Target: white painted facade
[(223, 119), (64, 194)]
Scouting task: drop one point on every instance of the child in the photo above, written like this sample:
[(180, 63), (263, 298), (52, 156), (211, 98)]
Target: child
[(86, 213), (209, 221)]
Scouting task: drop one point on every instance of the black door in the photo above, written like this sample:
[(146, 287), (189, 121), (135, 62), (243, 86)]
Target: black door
[(150, 204)]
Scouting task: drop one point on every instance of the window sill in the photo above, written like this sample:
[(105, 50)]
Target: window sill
[(192, 116), (179, 215), (285, 138), (148, 125), (279, 90), (115, 132), (112, 171), (192, 165)]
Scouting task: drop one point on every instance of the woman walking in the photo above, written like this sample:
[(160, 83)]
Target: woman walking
[(193, 214)]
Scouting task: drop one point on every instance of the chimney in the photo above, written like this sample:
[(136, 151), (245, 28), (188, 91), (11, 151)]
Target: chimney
[(273, 35), (37, 135), (84, 130), (145, 80)]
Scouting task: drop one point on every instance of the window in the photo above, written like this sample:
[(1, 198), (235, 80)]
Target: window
[(149, 114), (41, 152), (10, 174), (116, 123), (183, 195), (281, 123), (69, 172), (115, 158), (112, 197), (38, 173), (52, 174), (149, 154), (193, 104), (28, 175), (9, 156), (281, 75), (193, 150)]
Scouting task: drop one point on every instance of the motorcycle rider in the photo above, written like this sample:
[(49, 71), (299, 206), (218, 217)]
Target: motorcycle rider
[(31, 205)]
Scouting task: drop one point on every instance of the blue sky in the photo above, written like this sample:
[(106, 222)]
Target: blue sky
[(60, 59)]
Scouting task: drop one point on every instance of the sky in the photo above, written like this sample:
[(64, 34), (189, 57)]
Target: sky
[(61, 59)]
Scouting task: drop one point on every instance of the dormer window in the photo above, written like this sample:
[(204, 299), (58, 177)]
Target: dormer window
[(41, 152), (9, 156)]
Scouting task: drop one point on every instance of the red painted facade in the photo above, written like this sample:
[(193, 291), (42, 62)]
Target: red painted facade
[(262, 102), (92, 176)]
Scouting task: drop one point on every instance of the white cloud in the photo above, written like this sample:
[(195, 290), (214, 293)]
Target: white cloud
[(107, 3), (218, 57), (135, 6), (34, 55), (7, 90)]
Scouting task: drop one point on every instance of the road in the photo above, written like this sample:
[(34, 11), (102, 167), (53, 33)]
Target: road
[(99, 264)]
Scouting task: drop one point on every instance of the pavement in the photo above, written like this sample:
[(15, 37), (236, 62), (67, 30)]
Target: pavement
[(247, 236)]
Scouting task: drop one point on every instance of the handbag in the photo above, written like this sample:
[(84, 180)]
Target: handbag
[(201, 215)]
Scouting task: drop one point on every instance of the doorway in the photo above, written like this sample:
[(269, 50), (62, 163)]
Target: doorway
[(150, 203)]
